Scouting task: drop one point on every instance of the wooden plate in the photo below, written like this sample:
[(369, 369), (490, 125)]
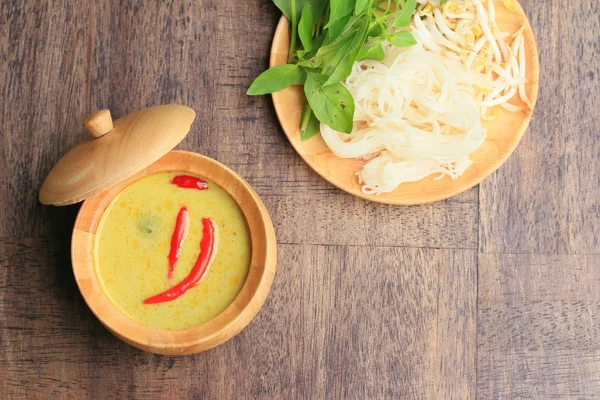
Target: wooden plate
[(225, 325), (503, 134)]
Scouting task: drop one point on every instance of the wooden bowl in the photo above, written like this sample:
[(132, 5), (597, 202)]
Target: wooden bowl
[(225, 325), (503, 134)]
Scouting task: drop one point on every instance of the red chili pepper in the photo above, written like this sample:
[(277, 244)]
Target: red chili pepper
[(208, 246), (189, 182), (179, 235)]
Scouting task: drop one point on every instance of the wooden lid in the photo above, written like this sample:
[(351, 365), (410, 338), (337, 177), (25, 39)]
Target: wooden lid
[(115, 151)]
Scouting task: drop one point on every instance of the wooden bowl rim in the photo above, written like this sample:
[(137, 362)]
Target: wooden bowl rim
[(226, 324), (280, 45)]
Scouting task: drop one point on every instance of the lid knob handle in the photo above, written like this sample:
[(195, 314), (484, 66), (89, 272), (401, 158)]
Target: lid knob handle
[(99, 123)]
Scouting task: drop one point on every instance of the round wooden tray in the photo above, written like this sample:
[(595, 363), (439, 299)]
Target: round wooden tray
[(224, 326), (503, 134)]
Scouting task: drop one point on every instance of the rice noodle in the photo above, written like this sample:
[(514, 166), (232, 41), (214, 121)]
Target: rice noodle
[(419, 111)]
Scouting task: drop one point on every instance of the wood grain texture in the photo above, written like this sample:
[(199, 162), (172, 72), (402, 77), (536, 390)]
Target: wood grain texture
[(355, 310), (538, 326), (59, 62), (545, 198), (533, 277), (401, 319), (538, 307)]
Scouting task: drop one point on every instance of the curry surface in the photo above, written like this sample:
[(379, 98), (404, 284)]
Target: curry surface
[(133, 242)]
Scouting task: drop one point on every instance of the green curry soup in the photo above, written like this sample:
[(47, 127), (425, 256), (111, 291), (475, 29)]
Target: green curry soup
[(133, 242)]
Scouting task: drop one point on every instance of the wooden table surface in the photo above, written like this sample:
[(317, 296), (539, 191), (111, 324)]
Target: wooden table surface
[(492, 294)]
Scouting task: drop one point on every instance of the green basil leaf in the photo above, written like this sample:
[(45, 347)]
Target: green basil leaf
[(338, 29), (330, 55), (402, 39), (333, 104), (371, 51), (318, 6), (277, 78), (309, 124), (317, 43), (339, 9), (405, 14), (361, 6), (309, 60), (378, 29), (342, 69), (313, 62), (348, 29), (305, 27), (344, 66)]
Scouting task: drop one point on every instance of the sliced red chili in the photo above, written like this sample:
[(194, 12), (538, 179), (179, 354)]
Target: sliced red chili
[(189, 182), (208, 245), (179, 234)]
